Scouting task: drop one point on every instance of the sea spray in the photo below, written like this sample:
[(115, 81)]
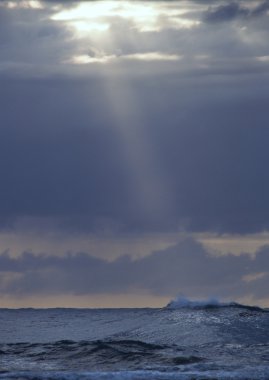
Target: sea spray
[(184, 302)]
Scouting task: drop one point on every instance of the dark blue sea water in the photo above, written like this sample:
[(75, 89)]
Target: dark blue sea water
[(187, 341)]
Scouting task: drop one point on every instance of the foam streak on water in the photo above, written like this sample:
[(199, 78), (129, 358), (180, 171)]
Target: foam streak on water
[(184, 341)]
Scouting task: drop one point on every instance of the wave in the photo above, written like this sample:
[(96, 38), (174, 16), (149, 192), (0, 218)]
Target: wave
[(181, 302), (105, 354)]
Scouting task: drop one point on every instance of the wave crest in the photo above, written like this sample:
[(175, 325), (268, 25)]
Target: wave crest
[(181, 302)]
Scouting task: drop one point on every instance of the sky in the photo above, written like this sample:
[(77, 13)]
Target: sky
[(133, 152)]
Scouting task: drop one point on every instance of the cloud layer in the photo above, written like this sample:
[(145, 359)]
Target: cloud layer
[(185, 268), (197, 162)]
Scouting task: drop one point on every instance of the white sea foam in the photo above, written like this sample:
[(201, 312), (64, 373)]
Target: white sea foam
[(181, 302)]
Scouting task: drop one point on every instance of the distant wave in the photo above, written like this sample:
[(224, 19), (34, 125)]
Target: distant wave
[(211, 303)]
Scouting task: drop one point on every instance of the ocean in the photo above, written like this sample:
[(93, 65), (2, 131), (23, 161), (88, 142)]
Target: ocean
[(185, 340)]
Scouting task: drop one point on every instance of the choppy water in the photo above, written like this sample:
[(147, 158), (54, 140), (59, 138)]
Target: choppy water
[(190, 342)]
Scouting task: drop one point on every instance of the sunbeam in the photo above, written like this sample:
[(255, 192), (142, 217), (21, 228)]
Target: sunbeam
[(151, 196)]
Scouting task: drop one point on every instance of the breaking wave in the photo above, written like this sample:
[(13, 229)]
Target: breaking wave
[(181, 302)]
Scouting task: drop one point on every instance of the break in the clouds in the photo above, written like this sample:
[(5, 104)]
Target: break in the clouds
[(185, 268), (123, 118)]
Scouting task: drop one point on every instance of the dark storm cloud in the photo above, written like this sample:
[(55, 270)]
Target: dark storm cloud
[(69, 142), (65, 168), (226, 12), (261, 9), (186, 268), (63, 157), (234, 10)]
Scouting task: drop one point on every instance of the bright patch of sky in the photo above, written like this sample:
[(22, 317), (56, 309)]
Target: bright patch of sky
[(145, 16)]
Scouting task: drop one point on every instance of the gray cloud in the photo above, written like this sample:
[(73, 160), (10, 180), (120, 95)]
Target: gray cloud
[(66, 159), (134, 146), (261, 8), (185, 268), (234, 10)]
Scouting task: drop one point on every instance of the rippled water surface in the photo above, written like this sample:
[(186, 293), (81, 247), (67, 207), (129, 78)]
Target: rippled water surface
[(205, 342)]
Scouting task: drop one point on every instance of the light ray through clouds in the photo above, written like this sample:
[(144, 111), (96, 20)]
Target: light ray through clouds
[(148, 186)]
